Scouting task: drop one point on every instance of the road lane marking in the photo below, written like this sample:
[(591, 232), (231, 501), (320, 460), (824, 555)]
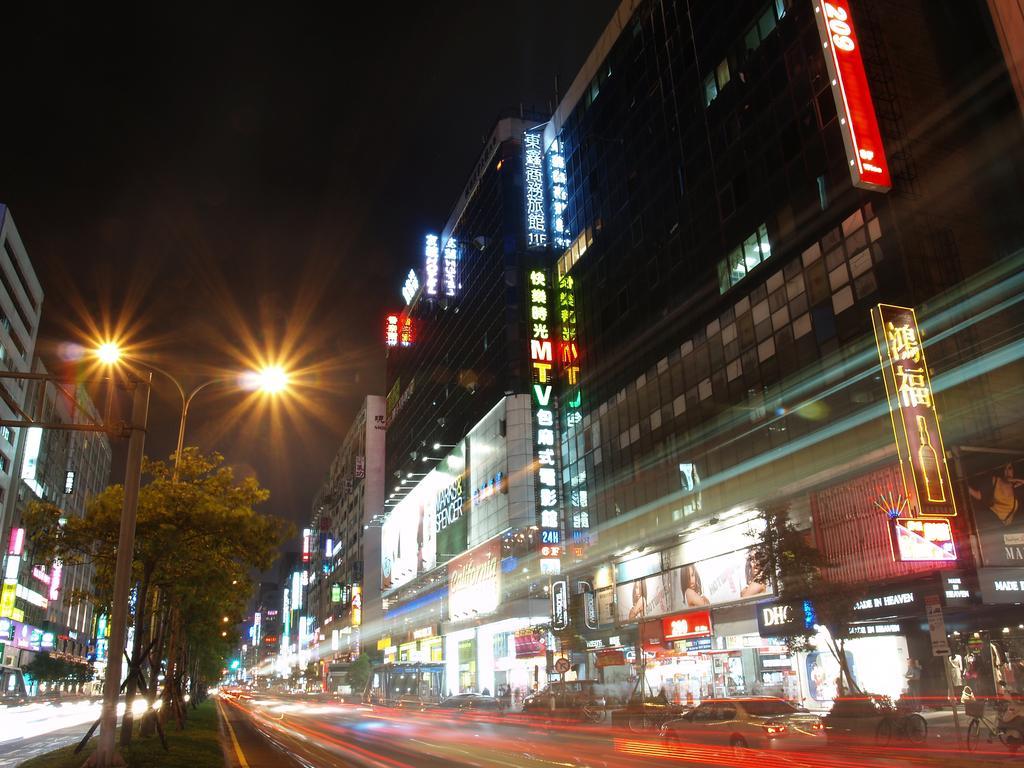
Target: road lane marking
[(234, 739)]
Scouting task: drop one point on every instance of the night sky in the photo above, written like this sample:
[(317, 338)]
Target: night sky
[(216, 183)]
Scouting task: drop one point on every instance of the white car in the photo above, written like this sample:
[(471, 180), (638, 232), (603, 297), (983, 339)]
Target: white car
[(750, 723)]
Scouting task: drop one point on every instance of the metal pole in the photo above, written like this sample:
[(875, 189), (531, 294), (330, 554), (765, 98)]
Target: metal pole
[(105, 754)]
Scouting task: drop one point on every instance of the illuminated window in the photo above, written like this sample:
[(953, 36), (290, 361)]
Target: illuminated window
[(710, 89), (69, 481), (754, 250), (722, 74), (5, 433)]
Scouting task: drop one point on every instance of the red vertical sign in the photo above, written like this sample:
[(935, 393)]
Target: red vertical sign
[(857, 121)]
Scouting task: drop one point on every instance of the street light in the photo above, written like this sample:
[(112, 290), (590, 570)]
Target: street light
[(108, 353), (270, 380)]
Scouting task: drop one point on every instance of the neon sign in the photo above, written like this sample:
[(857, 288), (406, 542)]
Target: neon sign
[(546, 478), (433, 255), (924, 539), (693, 624), (558, 181), (356, 611), (926, 479), (411, 286), (391, 331), (405, 332), (569, 369), (451, 268), (856, 111), (533, 162), (17, 541)]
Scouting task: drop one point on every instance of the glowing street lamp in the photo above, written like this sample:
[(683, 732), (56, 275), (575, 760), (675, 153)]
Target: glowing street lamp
[(272, 379), (108, 353)]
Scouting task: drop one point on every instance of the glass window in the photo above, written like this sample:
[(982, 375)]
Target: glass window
[(768, 707), (722, 73), (710, 89), (736, 267), (752, 40), (766, 246), (766, 23), (751, 252), (723, 276)]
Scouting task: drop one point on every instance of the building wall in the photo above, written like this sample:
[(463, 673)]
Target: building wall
[(21, 299)]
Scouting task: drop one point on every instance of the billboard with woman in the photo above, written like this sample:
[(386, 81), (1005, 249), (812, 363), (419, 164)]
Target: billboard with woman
[(715, 581)]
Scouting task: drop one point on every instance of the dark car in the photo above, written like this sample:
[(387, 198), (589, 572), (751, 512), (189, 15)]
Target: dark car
[(647, 714), (469, 703), (872, 719), (573, 699)]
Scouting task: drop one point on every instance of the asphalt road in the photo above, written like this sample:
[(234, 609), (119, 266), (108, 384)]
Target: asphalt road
[(37, 728), (271, 731)]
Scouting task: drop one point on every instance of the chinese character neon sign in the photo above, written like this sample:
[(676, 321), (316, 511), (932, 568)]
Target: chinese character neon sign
[(398, 331), (558, 186), (405, 332), (923, 467), (569, 369), (546, 477), (433, 254), (857, 121), (391, 331), (533, 162), (451, 268)]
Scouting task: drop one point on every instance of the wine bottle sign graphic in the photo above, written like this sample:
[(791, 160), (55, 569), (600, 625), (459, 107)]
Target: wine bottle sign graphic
[(935, 488)]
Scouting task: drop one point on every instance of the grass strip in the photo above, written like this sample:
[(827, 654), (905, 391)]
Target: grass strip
[(198, 746)]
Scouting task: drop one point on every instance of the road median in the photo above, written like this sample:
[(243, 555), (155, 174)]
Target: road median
[(198, 746)]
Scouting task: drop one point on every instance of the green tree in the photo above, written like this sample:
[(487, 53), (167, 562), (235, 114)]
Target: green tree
[(359, 673), (784, 556), (197, 537), (45, 668)]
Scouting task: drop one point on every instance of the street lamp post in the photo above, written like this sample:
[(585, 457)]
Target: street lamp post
[(271, 380), (105, 753)]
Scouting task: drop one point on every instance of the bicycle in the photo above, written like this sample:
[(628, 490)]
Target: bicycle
[(995, 730), (909, 726)]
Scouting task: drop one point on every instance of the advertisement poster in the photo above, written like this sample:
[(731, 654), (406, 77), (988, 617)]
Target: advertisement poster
[(715, 581), (644, 597), (474, 582), (823, 674), (995, 484)]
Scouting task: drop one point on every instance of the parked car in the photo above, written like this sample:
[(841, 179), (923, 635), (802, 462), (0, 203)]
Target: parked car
[(409, 701), (573, 699), (759, 722), (469, 703), (646, 715), (873, 719)]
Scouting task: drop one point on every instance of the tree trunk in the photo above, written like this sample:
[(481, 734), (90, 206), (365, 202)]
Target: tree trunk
[(172, 658), (156, 657), (127, 720), (838, 648)]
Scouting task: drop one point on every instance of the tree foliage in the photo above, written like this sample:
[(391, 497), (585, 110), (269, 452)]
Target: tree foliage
[(52, 669), (197, 537), (785, 556), (359, 673)]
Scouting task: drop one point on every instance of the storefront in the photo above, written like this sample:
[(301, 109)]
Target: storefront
[(509, 652), (715, 654)]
